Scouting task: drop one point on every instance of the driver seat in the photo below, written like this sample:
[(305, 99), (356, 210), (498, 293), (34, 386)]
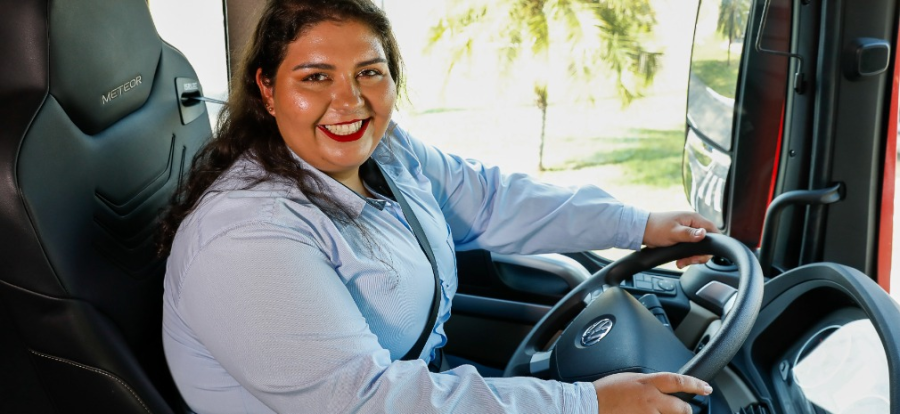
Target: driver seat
[(94, 140)]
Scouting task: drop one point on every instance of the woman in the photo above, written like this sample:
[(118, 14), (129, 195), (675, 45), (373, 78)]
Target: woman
[(294, 285)]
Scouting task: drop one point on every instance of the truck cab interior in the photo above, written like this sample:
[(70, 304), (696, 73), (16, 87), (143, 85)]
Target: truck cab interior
[(101, 117)]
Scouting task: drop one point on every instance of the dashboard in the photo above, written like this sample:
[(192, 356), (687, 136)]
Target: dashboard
[(807, 331)]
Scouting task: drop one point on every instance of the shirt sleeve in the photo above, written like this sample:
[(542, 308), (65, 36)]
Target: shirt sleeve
[(272, 311), (516, 214)]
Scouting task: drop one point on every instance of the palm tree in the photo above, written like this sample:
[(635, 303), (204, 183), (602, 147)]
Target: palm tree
[(600, 37), (732, 21)]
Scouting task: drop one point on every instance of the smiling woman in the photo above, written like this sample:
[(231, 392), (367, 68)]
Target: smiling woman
[(313, 234), (332, 97)]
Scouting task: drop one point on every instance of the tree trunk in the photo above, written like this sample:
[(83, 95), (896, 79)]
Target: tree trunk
[(731, 33), (541, 94), (543, 135)]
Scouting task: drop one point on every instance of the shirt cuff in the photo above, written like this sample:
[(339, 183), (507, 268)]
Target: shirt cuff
[(632, 224), (581, 398)]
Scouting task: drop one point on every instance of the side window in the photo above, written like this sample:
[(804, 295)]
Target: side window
[(569, 94), (197, 29)]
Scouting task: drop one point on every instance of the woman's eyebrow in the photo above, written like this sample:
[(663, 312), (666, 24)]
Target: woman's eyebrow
[(322, 66), (326, 66), (371, 62)]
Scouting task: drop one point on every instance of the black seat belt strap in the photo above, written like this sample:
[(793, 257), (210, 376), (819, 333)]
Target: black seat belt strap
[(416, 350)]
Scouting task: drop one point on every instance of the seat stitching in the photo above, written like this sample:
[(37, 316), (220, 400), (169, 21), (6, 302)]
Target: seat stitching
[(98, 371)]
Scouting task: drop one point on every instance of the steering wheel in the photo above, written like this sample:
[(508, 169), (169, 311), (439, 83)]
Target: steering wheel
[(605, 330)]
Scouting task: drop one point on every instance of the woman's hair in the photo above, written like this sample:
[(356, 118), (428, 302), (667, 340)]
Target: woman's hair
[(247, 129)]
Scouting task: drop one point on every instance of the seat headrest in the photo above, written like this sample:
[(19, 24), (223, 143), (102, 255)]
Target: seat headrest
[(102, 65)]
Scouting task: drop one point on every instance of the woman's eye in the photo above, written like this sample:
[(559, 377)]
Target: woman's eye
[(368, 73), (316, 77)]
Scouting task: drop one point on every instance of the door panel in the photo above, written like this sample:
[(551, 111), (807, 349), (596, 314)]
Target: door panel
[(501, 297)]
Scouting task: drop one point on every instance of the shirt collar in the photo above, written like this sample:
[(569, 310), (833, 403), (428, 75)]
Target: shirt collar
[(343, 194)]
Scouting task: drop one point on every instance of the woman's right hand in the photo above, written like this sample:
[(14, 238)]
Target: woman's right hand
[(647, 393)]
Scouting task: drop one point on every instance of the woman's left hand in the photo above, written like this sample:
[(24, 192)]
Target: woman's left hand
[(668, 228)]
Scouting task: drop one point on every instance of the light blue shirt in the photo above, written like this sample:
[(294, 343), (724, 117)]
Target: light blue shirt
[(270, 306)]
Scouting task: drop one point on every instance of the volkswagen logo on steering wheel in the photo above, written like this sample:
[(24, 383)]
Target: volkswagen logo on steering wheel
[(596, 332)]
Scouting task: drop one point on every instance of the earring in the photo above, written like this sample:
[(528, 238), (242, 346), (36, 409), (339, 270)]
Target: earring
[(269, 107)]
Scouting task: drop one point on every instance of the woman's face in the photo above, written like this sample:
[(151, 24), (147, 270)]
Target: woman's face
[(332, 96)]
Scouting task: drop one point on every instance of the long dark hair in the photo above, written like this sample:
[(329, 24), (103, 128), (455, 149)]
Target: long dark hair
[(247, 129)]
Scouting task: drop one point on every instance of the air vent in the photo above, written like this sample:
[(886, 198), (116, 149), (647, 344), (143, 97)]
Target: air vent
[(755, 409)]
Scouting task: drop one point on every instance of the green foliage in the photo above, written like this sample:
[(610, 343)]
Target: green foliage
[(732, 22), (601, 37), (648, 157)]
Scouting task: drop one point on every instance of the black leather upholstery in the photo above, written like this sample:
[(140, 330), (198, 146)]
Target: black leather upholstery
[(111, 59), (91, 147)]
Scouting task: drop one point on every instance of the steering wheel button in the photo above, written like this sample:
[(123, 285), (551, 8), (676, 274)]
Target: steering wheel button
[(665, 285), (642, 284)]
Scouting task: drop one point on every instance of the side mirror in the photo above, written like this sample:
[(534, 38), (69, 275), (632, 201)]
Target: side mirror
[(715, 68)]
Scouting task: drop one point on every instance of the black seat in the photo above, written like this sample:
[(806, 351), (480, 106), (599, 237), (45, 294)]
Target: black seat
[(92, 144)]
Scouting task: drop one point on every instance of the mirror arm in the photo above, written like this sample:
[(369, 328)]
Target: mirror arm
[(799, 77)]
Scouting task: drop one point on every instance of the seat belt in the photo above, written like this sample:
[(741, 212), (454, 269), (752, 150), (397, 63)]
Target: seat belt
[(377, 178)]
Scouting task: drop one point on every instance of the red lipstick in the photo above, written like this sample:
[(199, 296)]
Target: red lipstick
[(346, 138)]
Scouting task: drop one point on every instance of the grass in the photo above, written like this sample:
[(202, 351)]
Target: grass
[(718, 75), (646, 156)]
